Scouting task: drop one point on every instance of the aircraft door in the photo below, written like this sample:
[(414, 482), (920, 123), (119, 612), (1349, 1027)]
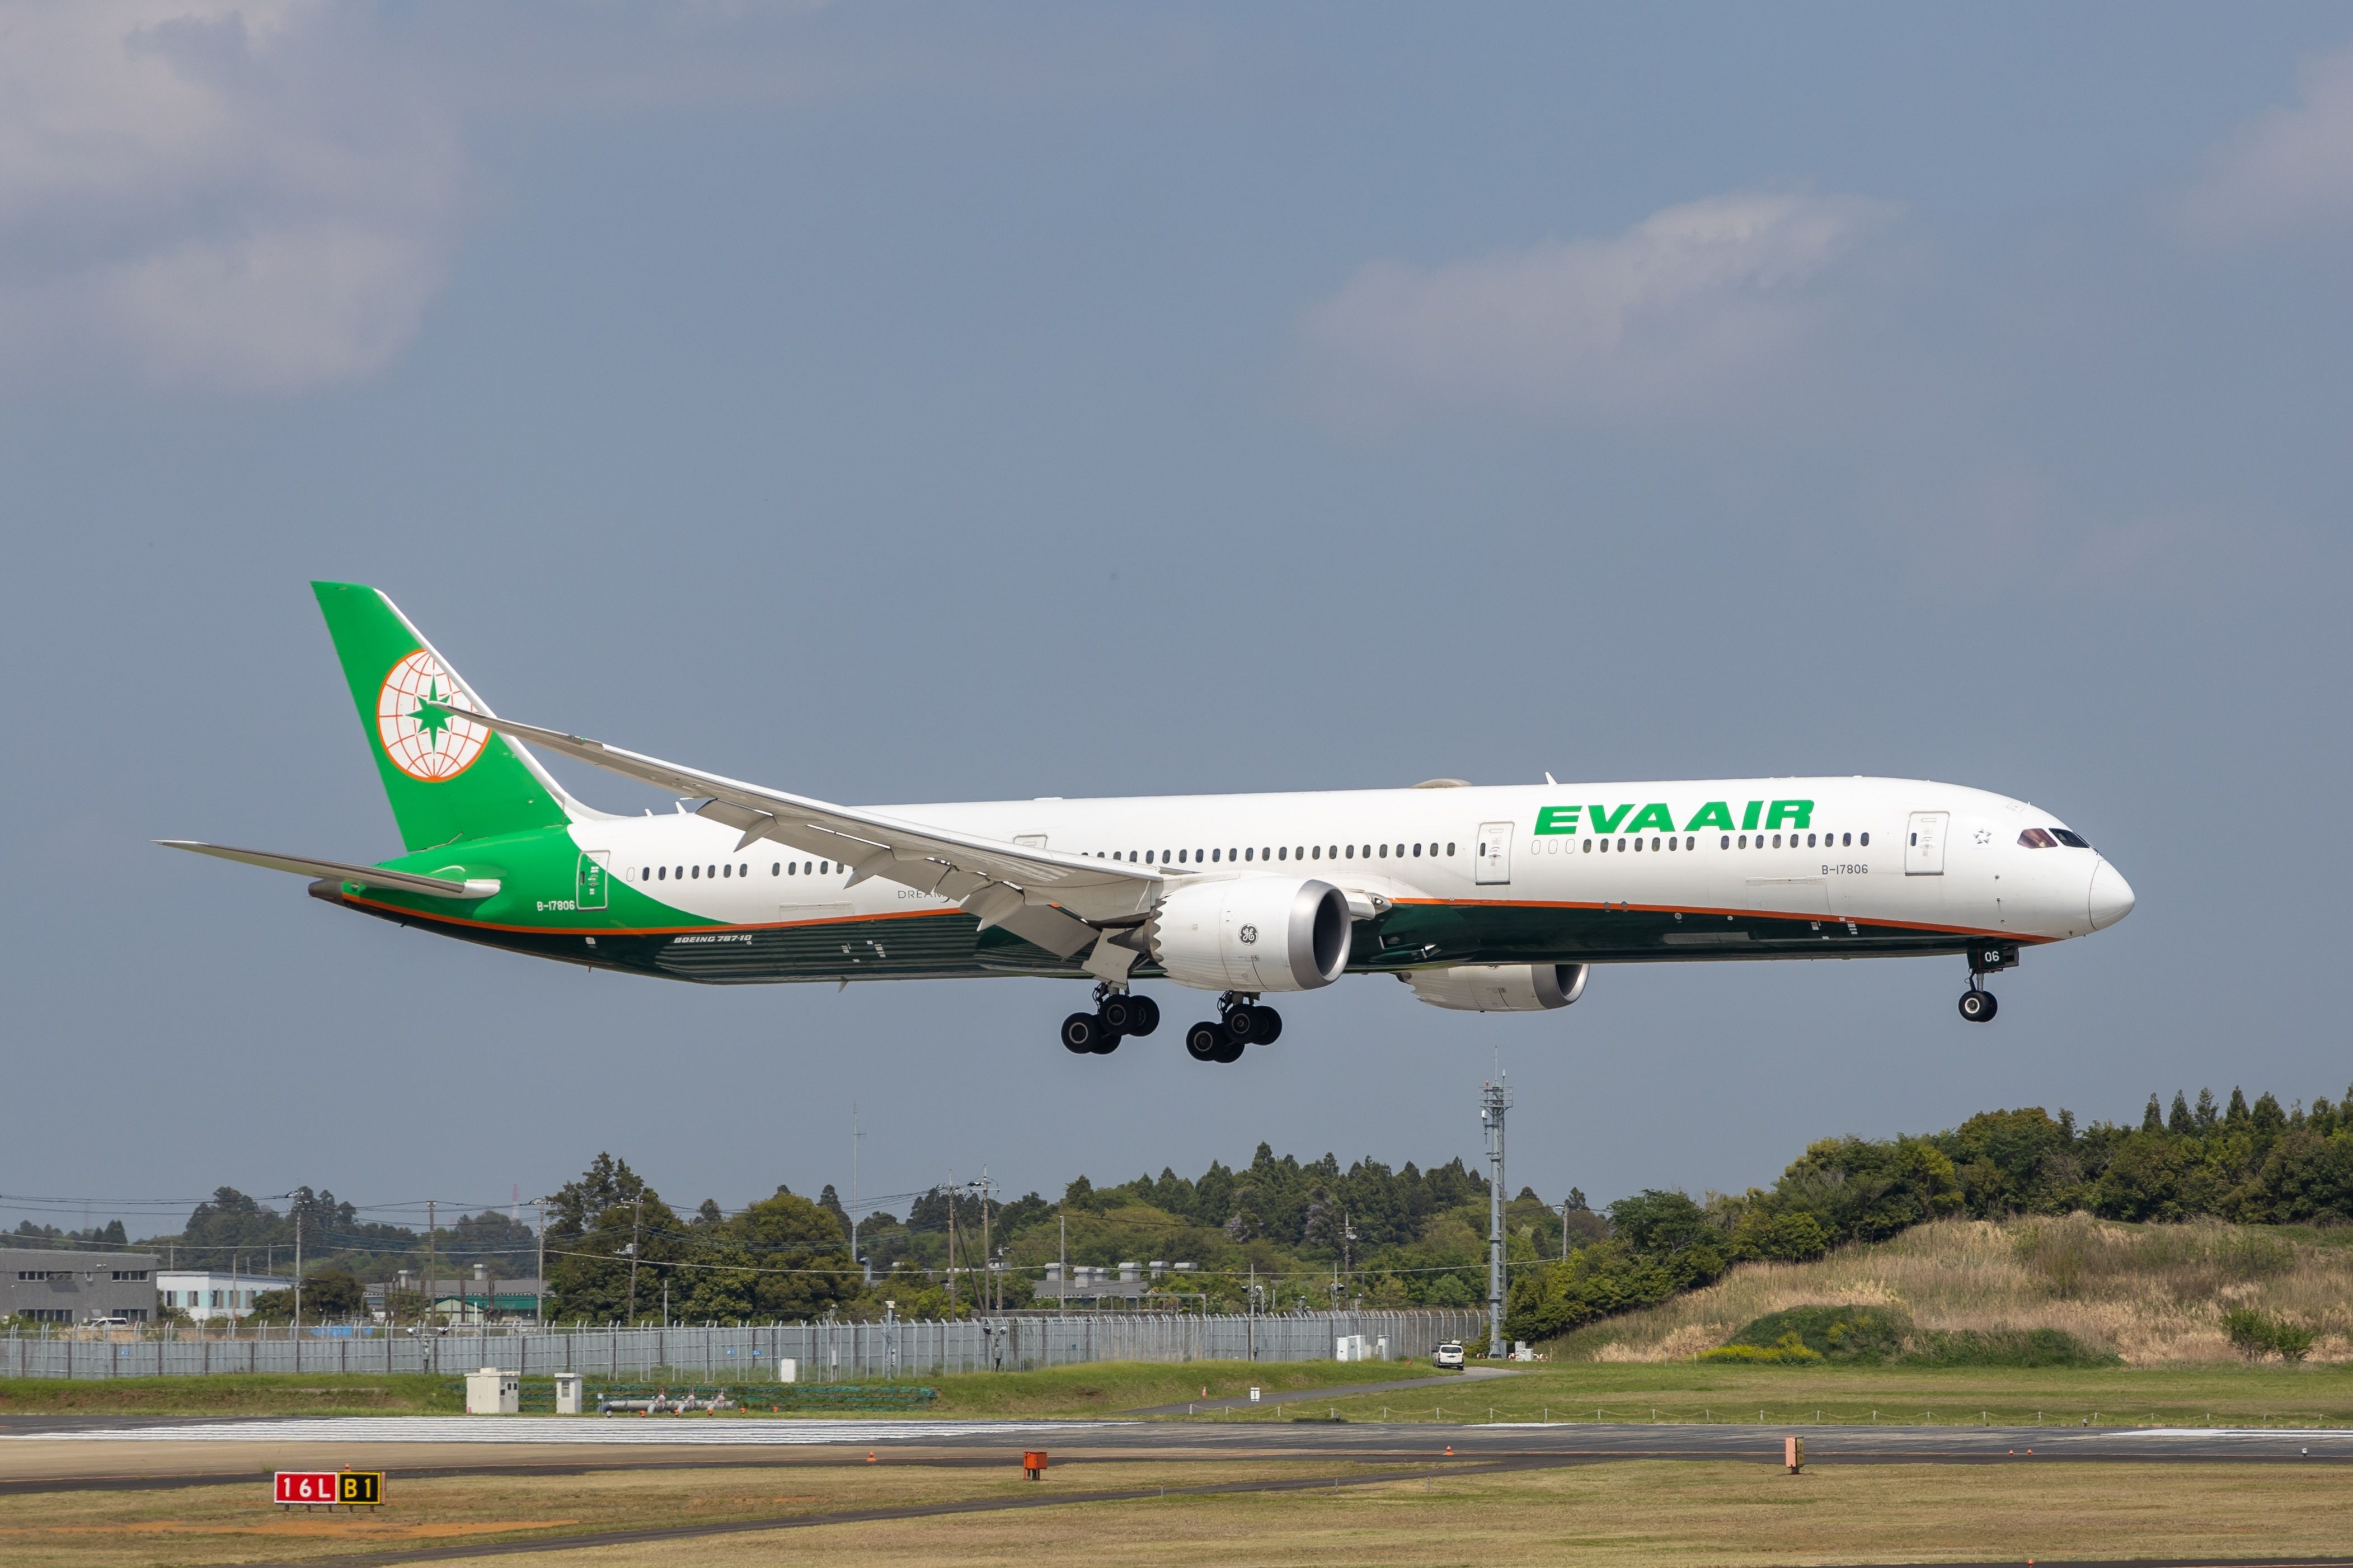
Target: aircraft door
[(589, 892), (1924, 843), (1494, 859)]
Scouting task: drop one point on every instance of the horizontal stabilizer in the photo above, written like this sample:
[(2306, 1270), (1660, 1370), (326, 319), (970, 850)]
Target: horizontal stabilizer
[(339, 872)]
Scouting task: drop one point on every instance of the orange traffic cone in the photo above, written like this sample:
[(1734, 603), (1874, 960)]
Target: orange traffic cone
[(1450, 1449), (869, 1456)]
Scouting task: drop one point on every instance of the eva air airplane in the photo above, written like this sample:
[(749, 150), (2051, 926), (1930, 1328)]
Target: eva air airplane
[(1485, 898)]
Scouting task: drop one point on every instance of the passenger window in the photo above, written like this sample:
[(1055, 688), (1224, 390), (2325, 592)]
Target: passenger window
[(1317, 853), (2035, 838), (1283, 852), (661, 873), (1727, 842), (1692, 843), (1849, 839), (1809, 841), (1866, 841), (1777, 841), (1450, 851), (1352, 852), (1385, 851), (697, 870), (1249, 855), (1588, 846), (1417, 851), (797, 869)]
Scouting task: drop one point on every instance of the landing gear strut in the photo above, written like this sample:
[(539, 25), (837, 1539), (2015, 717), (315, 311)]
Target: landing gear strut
[(1242, 1020), (1978, 1004), (1117, 1014)]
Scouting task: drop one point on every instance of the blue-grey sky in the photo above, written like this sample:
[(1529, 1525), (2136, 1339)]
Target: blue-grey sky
[(900, 403)]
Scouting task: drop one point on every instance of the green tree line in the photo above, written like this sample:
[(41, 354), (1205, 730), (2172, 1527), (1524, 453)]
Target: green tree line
[(2249, 1163)]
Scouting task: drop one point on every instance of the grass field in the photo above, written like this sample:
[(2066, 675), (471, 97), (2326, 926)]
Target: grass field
[(1632, 1514), (1098, 1388)]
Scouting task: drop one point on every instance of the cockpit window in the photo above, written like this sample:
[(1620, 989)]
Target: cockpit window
[(2035, 838), (2071, 840)]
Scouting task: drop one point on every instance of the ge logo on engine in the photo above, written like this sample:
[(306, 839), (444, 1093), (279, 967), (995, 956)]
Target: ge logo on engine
[(1249, 934)]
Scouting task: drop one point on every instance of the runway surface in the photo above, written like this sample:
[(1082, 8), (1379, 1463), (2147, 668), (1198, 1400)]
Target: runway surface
[(30, 1451)]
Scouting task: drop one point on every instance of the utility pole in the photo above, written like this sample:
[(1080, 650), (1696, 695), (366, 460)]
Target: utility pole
[(951, 1198), (1063, 1286), (298, 1266), (865, 1275), (431, 1229), (1495, 1099), (539, 1298), (995, 1288), (635, 1225), (1253, 1312)]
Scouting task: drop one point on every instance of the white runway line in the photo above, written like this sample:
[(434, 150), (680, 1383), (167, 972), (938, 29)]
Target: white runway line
[(560, 1429)]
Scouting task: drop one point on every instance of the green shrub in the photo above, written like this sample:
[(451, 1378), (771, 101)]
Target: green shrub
[(1866, 1335), (1788, 1350), (2257, 1334), (2002, 1347)]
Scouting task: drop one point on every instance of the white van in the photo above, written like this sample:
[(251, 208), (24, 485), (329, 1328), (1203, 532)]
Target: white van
[(1449, 1354)]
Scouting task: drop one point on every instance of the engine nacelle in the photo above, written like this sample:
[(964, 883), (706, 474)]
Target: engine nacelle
[(1501, 987), (1254, 933)]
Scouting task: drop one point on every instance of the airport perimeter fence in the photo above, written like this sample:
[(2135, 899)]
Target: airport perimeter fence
[(822, 1351)]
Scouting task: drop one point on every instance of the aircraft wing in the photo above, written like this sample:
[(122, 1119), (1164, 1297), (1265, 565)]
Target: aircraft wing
[(341, 871), (1058, 901)]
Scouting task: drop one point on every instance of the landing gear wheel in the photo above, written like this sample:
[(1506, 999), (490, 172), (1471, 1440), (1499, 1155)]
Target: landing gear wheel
[(1107, 1042), (1231, 1051), (1978, 1007), (1083, 1033), (1118, 1014), (1144, 1016), (1241, 1021), (1204, 1041), (1267, 1026)]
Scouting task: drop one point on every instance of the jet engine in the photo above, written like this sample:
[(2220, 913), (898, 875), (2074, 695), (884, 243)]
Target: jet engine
[(1252, 933), (1500, 987)]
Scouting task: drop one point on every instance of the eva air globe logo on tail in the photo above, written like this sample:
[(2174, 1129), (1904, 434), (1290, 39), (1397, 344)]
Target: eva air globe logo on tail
[(420, 715)]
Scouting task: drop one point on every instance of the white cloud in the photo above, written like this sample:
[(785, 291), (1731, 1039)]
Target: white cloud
[(1678, 314), (2289, 170), (216, 194)]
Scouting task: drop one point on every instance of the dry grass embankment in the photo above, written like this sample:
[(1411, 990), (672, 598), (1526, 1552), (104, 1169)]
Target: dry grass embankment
[(2153, 1294)]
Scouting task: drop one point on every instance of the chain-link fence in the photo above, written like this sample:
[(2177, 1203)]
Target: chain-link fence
[(821, 1351)]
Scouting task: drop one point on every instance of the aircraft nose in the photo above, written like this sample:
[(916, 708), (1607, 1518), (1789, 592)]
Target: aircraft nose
[(2111, 897)]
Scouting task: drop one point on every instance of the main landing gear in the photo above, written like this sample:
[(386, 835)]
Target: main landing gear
[(1241, 1021), (1978, 1004), (1117, 1014)]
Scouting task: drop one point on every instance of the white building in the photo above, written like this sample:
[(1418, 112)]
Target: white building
[(204, 1294)]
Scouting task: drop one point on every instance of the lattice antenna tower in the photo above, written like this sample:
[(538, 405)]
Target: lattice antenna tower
[(1495, 1099)]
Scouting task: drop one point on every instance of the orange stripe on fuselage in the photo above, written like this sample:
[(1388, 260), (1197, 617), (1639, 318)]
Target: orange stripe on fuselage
[(1817, 917)]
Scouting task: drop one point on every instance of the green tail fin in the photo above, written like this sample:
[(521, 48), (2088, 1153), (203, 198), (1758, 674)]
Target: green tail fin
[(448, 778)]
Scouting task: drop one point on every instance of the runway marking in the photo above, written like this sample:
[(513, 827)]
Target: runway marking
[(632, 1430)]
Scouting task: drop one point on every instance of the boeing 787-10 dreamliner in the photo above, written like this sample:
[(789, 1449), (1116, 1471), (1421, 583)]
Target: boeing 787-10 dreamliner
[(1486, 899)]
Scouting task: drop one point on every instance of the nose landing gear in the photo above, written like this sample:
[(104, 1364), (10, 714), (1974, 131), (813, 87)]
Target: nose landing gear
[(1978, 1004)]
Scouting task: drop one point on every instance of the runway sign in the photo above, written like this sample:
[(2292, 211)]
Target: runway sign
[(351, 1489)]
